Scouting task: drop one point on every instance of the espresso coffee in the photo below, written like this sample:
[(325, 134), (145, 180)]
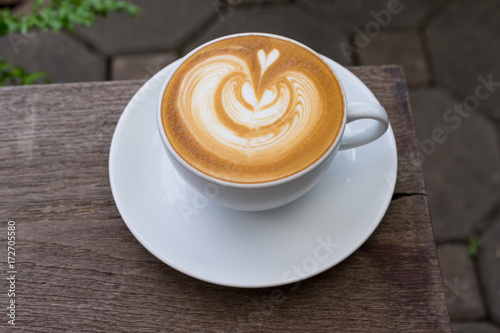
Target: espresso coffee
[(252, 109)]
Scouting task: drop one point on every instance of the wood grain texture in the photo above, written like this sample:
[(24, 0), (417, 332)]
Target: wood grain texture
[(80, 269)]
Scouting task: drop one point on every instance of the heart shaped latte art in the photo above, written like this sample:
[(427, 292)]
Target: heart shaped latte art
[(252, 109), (224, 100)]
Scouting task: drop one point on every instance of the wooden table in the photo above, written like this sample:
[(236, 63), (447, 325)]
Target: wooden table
[(79, 268)]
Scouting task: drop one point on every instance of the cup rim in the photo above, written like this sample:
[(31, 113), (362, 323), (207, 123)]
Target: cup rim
[(225, 183)]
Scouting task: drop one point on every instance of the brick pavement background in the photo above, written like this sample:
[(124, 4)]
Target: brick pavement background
[(449, 49)]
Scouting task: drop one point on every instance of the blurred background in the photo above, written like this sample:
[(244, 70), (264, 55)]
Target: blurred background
[(449, 49)]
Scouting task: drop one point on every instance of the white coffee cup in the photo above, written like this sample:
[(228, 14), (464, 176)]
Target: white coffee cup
[(268, 195)]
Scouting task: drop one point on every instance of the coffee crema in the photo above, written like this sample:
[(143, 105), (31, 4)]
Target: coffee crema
[(252, 109)]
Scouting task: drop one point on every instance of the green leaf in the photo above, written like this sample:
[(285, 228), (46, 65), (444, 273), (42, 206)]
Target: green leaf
[(13, 74), (473, 246), (4, 65), (29, 79), (54, 15)]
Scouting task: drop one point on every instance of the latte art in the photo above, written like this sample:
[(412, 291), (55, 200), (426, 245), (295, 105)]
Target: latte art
[(252, 109), (221, 100)]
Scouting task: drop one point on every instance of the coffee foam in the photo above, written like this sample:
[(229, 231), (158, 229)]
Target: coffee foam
[(252, 109)]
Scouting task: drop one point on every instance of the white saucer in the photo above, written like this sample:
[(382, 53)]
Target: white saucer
[(247, 249)]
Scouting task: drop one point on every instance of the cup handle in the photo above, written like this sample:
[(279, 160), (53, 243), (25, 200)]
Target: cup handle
[(364, 110)]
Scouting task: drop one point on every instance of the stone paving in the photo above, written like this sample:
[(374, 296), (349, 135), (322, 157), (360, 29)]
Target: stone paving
[(459, 170), (450, 51), (460, 283)]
